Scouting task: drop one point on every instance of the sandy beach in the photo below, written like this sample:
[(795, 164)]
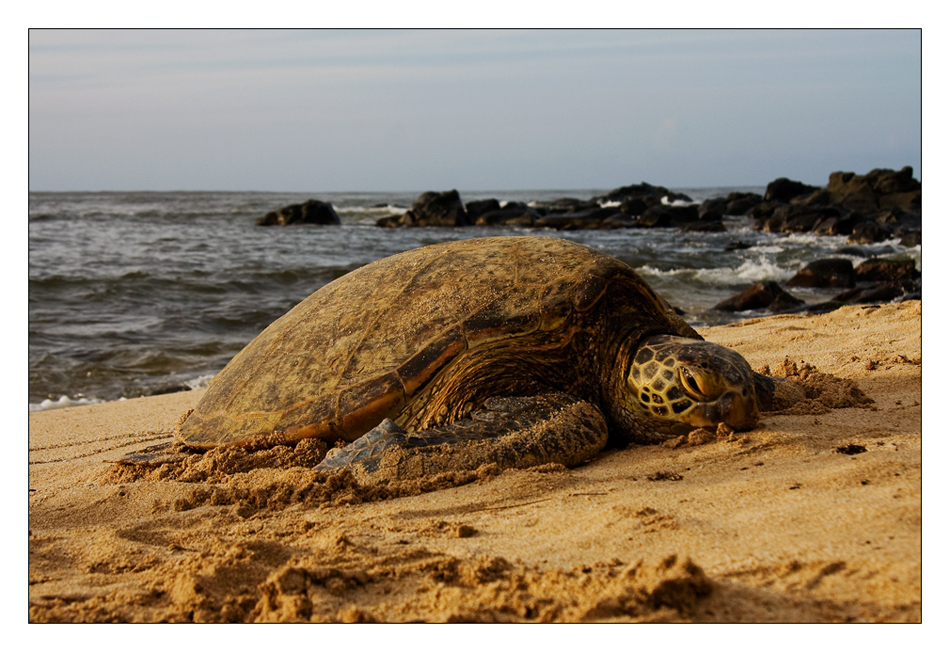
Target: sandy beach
[(814, 516)]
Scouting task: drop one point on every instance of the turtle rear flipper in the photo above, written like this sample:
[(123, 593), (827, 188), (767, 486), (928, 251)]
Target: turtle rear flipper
[(166, 453), (510, 432)]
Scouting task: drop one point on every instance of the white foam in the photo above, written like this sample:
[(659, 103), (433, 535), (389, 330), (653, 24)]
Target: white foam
[(64, 401), (678, 202), (200, 382), (753, 270)]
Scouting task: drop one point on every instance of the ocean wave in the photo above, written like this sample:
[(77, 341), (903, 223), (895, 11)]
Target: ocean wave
[(752, 271), (678, 202), (63, 402)]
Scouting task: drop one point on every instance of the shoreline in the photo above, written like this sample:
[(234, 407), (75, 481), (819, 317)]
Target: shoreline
[(775, 525)]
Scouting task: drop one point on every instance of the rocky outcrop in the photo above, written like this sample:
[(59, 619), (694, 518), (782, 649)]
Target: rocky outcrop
[(869, 208), (877, 190), (431, 209), (648, 194), (311, 211), (475, 209), (666, 216), (513, 214), (785, 190)]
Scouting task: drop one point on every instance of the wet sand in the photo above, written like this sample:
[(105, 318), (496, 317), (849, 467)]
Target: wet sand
[(814, 516)]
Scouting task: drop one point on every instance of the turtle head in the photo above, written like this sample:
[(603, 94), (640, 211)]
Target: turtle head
[(678, 384)]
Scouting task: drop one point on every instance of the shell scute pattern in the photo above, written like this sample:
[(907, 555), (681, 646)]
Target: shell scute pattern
[(367, 345)]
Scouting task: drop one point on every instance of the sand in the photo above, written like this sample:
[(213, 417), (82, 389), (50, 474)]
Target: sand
[(814, 516)]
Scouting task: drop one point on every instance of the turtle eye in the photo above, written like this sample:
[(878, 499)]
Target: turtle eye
[(691, 383)]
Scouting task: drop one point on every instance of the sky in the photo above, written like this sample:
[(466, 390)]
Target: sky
[(415, 110)]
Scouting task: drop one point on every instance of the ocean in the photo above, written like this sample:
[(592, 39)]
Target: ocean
[(140, 293)]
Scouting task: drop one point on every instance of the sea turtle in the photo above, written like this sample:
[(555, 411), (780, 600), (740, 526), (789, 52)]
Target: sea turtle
[(515, 350)]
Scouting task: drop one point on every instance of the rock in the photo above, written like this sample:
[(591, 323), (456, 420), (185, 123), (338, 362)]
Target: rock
[(796, 218), (763, 209), (435, 209), (908, 201), (825, 273), (740, 203), (867, 232), (635, 206), (838, 225), (768, 295), (590, 219), (564, 205), (911, 239), (514, 216), (736, 203), (879, 269), (666, 216), (785, 190), (475, 209), (649, 194), (713, 208), (880, 293), (311, 211), (618, 221), (879, 188)]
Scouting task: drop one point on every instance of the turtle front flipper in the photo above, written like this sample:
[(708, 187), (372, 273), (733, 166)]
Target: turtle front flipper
[(512, 432)]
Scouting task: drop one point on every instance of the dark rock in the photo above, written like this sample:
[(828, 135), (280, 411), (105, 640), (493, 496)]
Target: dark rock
[(736, 203), (666, 216), (439, 209), (880, 293), (514, 216), (823, 308), (911, 239), (436, 209), (879, 269), (768, 295), (651, 195), (796, 218), (389, 222), (635, 206), (889, 182), (479, 207), (564, 205), (838, 225), (311, 211), (908, 201), (825, 273), (763, 209), (785, 190), (879, 188), (715, 208), (867, 232), (590, 219), (618, 221), (740, 203)]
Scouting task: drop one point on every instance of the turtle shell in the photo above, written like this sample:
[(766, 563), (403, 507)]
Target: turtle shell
[(381, 339)]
